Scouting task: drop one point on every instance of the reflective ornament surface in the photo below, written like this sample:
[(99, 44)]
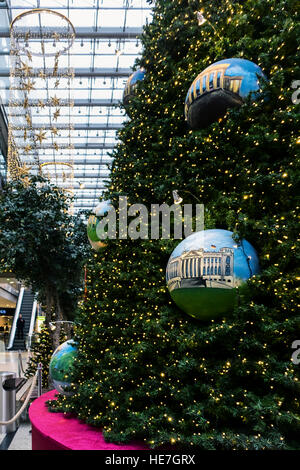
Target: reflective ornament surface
[(222, 85), (60, 368), (99, 212), (131, 84), (205, 271)]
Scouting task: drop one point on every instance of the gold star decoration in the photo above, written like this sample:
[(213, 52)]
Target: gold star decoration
[(27, 148), (42, 74), (54, 131), (56, 36), (28, 119), (29, 85), (29, 55), (56, 114), (55, 145), (56, 83), (25, 102), (55, 68), (25, 134), (41, 103), (55, 101), (41, 136), (23, 170), (26, 69)]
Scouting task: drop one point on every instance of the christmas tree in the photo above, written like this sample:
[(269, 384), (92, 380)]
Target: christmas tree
[(41, 351), (146, 370)]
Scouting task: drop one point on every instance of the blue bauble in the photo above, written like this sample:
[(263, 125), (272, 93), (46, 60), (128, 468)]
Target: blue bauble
[(132, 84), (205, 271), (60, 367), (100, 211), (222, 85)]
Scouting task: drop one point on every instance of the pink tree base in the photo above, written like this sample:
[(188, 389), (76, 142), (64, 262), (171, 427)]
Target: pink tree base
[(57, 431)]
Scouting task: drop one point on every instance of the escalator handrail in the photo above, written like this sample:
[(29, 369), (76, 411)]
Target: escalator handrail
[(32, 318), (32, 324), (17, 313)]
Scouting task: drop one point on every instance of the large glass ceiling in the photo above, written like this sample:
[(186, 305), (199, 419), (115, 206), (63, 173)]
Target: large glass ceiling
[(102, 55)]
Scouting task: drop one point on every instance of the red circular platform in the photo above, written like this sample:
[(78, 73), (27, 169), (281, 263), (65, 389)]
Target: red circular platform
[(57, 431)]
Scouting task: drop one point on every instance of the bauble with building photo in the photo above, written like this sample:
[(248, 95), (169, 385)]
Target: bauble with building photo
[(222, 85), (205, 271)]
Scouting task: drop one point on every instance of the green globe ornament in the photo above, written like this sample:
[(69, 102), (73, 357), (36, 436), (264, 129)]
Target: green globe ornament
[(60, 368), (100, 211), (205, 271)]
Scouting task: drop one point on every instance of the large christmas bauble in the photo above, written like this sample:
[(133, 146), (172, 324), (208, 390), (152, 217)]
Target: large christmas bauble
[(222, 85), (60, 368), (205, 271), (131, 85), (100, 211)]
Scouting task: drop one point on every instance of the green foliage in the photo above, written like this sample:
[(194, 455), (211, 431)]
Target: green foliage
[(43, 244), (41, 353), (145, 370)]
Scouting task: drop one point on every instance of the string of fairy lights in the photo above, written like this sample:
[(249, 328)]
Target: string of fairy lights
[(112, 407), (100, 301)]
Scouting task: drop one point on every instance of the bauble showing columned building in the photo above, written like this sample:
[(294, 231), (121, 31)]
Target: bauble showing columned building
[(200, 268)]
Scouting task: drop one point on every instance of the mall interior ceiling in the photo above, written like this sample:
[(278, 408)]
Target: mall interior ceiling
[(106, 45)]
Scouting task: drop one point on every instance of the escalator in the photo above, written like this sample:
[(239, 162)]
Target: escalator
[(27, 308)]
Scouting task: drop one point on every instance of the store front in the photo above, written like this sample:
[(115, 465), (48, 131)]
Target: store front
[(6, 319), (9, 292)]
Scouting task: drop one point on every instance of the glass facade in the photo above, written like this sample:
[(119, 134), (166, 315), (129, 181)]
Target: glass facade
[(103, 54)]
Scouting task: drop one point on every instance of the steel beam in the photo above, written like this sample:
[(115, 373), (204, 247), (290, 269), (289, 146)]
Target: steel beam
[(79, 127), (92, 162), (86, 146), (79, 102), (107, 72), (78, 8), (85, 206), (85, 197), (87, 187), (102, 174), (89, 33), (75, 162), (124, 54), (86, 194)]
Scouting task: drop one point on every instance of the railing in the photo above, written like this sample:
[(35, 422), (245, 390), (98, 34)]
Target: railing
[(36, 378), (32, 323), (20, 364), (17, 313), (9, 289)]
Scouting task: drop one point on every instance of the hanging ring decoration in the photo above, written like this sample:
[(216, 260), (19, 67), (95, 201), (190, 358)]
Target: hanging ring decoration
[(60, 31)]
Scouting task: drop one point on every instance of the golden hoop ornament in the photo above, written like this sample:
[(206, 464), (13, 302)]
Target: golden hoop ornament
[(70, 36)]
